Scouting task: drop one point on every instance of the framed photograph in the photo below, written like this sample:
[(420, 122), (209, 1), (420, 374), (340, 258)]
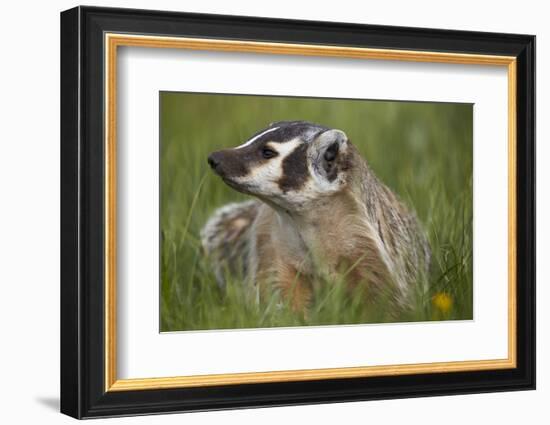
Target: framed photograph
[(261, 212)]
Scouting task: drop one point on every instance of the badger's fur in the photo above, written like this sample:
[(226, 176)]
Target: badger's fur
[(321, 211)]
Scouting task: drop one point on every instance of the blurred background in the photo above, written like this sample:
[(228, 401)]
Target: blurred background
[(423, 151)]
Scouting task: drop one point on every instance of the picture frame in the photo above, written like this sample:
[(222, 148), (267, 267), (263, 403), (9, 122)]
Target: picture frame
[(90, 40)]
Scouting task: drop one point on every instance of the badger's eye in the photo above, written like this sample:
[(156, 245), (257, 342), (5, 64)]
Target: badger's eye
[(268, 153)]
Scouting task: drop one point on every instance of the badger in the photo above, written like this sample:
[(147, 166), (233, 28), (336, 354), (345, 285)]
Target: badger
[(318, 210)]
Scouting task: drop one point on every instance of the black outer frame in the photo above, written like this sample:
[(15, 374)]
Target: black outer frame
[(82, 216)]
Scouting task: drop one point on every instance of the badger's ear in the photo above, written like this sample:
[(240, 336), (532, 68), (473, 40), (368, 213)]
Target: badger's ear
[(330, 142), (331, 136), (330, 146)]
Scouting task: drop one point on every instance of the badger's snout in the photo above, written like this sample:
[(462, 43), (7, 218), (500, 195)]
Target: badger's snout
[(228, 164), (214, 160)]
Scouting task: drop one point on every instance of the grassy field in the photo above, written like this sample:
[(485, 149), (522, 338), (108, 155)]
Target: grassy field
[(423, 151)]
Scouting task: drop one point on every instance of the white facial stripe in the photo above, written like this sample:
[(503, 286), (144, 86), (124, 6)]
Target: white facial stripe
[(248, 143)]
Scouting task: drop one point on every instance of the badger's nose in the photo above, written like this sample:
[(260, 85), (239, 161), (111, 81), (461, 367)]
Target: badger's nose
[(213, 160)]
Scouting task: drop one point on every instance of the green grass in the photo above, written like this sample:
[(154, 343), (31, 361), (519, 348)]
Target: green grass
[(423, 151)]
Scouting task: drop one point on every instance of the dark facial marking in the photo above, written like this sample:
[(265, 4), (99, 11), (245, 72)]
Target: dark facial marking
[(295, 171)]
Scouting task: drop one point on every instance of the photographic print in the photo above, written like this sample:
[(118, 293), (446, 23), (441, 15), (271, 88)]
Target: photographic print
[(208, 202), (288, 211)]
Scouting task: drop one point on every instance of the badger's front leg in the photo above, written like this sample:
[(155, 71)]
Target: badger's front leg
[(285, 281), (295, 288), (273, 269)]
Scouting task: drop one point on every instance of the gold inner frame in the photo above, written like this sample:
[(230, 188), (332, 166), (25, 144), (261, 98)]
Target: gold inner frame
[(113, 41)]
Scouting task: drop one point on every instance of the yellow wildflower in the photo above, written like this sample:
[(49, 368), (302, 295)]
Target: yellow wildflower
[(443, 302)]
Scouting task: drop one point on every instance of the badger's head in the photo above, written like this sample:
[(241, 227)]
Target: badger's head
[(290, 164)]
